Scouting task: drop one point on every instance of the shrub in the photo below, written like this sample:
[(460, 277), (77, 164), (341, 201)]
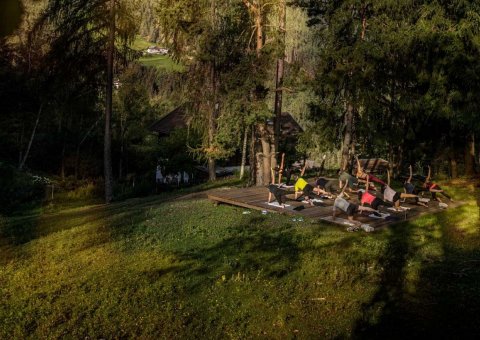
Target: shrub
[(19, 188)]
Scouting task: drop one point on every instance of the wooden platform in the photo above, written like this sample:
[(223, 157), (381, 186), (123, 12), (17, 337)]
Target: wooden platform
[(256, 198)]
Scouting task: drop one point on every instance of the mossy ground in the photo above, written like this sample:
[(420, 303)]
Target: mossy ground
[(186, 268)]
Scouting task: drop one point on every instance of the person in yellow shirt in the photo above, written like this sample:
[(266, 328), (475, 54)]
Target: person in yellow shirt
[(302, 188)]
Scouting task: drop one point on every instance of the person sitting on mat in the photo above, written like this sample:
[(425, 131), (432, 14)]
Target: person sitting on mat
[(434, 188), (392, 196), (409, 188), (349, 208), (302, 188)]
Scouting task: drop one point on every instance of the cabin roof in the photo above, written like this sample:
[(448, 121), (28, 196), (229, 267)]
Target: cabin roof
[(288, 125), (171, 121)]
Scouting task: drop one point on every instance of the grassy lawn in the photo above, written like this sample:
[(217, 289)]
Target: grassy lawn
[(161, 62), (186, 268), (141, 44)]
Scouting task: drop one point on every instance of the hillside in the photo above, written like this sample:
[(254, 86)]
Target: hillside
[(147, 268)]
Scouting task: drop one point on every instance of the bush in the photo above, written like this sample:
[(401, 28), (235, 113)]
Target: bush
[(19, 188), (86, 191), (137, 186)]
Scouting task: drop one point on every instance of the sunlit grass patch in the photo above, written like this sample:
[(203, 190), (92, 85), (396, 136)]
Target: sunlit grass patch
[(161, 62)]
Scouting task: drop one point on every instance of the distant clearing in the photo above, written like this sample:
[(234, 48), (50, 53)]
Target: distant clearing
[(162, 62)]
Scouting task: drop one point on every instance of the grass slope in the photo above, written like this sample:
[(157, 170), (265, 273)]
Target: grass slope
[(185, 268), (157, 61), (161, 62)]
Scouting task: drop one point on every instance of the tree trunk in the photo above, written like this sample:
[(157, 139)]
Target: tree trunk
[(266, 156), (212, 117), (252, 161), (259, 160), (122, 149), (77, 162), (347, 137), (470, 155), (107, 147), (279, 83), (258, 27), (20, 144), (120, 162), (453, 167), (244, 153), (211, 130), (62, 164), (32, 136), (263, 159)]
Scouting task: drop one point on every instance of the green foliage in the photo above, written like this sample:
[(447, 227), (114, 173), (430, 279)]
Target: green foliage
[(176, 152), (408, 68), (18, 189), (161, 62)]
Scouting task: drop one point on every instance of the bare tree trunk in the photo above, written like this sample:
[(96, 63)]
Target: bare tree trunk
[(252, 159), (266, 156), (120, 162), (347, 137), (259, 159), (255, 9), (212, 176), (258, 26), (453, 166), (279, 82), (122, 148), (32, 136), (244, 153), (107, 150), (470, 155), (62, 165), (20, 144)]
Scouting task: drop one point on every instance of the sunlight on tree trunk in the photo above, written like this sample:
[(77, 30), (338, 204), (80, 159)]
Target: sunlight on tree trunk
[(470, 155), (279, 82), (244, 153)]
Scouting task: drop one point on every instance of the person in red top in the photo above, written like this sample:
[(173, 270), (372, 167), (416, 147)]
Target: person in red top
[(434, 188), (367, 198)]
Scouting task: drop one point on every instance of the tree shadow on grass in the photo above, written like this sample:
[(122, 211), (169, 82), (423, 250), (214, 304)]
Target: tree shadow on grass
[(249, 250), (442, 300), (390, 288)]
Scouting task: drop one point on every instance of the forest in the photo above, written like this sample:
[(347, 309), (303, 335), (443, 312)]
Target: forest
[(379, 79), (99, 97)]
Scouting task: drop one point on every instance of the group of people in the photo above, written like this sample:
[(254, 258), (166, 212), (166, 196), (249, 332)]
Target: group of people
[(370, 197)]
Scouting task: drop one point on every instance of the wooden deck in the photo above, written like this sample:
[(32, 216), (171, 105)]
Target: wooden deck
[(256, 198)]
